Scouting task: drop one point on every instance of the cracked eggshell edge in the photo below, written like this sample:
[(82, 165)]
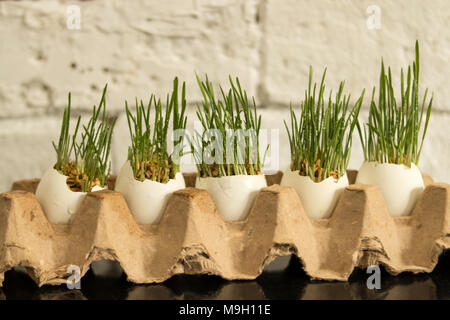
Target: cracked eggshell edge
[(233, 195), (401, 186), (318, 198), (146, 199), (60, 204)]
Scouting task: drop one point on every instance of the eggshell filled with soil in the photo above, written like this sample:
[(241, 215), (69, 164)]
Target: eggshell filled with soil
[(60, 204), (318, 198), (401, 186), (233, 195), (146, 199)]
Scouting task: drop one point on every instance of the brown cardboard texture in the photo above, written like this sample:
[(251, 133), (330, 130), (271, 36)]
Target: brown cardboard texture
[(193, 239)]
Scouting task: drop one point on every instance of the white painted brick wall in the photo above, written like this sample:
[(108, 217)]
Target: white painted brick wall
[(137, 47)]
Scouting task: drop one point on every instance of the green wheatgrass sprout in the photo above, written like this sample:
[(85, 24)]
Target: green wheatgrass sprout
[(392, 133), (148, 154), (86, 160), (230, 114), (66, 142), (321, 137)]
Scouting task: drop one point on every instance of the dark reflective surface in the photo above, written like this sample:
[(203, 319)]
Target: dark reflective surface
[(282, 279)]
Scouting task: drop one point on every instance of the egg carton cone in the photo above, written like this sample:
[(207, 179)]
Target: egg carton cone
[(192, 238)]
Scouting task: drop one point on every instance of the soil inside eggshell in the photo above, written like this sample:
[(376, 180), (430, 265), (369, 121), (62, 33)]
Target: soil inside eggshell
[(319, 173), (151, 171), (216, 173), (75, 177)]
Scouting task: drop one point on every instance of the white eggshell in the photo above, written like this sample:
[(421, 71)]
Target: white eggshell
[(401, 186), (318, 198), (59, 202), (233, 195), (146, 199)]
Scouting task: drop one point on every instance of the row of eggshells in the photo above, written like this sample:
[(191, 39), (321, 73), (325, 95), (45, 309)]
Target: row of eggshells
[(233, 196)]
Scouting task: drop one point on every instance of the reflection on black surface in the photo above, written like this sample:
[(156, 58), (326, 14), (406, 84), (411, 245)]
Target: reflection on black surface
[(282, 279)]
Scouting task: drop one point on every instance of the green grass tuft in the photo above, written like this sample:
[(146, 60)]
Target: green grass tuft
[(85, 160), (231, 129), (148, 153), (321, 137), (393, 133)]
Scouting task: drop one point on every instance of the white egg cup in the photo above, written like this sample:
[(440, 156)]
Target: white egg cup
[(401, 186), (318, 198), (233, 196), (146, 199), (60, 204)]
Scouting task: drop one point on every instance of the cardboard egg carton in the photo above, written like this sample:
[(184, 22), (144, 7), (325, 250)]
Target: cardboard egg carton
[(193, 239)]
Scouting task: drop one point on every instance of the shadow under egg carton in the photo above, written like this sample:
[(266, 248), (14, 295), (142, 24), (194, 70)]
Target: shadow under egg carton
[(287, 283), (193, 239)]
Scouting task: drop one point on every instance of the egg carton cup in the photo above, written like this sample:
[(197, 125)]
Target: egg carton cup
[(192, 238)]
